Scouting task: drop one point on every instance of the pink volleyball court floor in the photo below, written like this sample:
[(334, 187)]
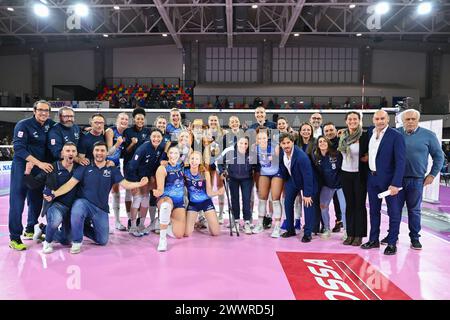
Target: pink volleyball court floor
[(247, 267)]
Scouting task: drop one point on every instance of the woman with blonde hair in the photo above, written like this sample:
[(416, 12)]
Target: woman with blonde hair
[(170, 189), (114, 137), (200, 191), (175, 126)]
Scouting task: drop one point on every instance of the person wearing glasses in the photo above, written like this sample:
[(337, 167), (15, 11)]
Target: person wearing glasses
[(316, 121), (30, 145), (64, 131), (87, 140)]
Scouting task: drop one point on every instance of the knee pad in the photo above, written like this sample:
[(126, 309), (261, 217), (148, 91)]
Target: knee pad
[(262, 207), (128, 196), (165, 210), (276, 209), (137, 199), (145, 201), (221, 198)]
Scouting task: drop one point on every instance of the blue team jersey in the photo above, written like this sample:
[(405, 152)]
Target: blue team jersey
[(166, 138), (267, 124), (174, 132), (96, 183), (174, 183), (268, 161), (196, 186), (145, 161), (30, 138), (59, 135), (86, 145), (329, 169), (142, 136), (115, 157)]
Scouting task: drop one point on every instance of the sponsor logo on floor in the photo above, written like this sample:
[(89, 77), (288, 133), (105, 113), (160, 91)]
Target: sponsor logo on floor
[(336, 276)]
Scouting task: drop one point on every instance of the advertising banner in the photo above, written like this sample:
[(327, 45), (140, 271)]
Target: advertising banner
[(336, 276)]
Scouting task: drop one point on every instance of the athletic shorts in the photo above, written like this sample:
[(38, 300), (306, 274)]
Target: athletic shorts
[(277, 175), (177, 203), (206, 205)]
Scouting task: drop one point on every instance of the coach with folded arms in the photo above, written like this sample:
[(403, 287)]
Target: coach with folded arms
[(386, 170)]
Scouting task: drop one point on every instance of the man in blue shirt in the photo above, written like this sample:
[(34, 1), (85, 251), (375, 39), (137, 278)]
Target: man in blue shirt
[(420, 143), (88, 139), (96, 181), (30, 145), (64, 131), (58, 211)]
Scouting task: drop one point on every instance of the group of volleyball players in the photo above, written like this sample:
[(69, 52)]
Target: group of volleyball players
[(187, 166)]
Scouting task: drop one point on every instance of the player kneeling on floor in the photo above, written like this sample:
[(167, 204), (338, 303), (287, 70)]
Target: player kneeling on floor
[(200, 191), (170, 190)]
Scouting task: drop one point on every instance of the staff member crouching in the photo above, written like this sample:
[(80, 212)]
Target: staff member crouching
[(200, 191), (96, 181), (59, 211)]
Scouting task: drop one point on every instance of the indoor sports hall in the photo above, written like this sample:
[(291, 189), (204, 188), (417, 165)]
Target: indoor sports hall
[(224, 150)]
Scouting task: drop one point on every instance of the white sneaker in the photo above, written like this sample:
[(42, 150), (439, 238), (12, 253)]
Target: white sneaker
[(37, 232), (47, 247), (247, 228), (76, 248), (276, 233), (143, 230), (162, 246), (134, 232), (344, 237), (258, 228), (120, 226), (220, 218), (325, 235)]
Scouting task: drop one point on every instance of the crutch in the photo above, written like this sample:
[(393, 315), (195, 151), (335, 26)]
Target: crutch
[(227, 190)]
